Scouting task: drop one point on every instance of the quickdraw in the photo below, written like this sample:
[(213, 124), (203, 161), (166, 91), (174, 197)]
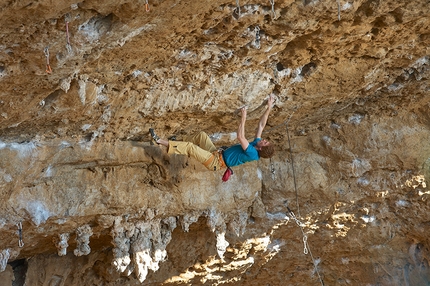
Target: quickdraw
[(273, 8), (299, 223), (48, 66), (20, 241), (272, 169), (237, 10), (67, 33), (257, 37)]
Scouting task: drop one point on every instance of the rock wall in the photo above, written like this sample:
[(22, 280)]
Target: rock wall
[(87, 198)]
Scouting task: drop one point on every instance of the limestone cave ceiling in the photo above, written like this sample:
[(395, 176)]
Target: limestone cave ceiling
[(81, 83), (120, 68)]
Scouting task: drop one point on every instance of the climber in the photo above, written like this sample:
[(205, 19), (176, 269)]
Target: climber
[(200, 147)]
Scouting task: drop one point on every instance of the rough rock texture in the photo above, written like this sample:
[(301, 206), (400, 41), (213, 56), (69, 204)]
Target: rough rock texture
[(99, 204)]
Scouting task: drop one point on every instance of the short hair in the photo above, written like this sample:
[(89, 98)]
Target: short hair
[(266, 151)]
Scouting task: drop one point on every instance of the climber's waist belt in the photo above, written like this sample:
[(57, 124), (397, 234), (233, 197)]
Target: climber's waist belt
[(216, 154)]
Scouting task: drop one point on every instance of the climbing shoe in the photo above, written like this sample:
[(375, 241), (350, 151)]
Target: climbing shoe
[(153, 135)]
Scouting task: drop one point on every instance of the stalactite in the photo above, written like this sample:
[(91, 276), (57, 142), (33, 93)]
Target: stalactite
[(61, 242), (83, 235)]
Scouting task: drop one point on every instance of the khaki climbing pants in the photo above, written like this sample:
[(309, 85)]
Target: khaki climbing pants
[(200, 147)]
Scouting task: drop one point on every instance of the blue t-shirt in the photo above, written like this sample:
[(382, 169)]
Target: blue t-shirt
[(235, 155)]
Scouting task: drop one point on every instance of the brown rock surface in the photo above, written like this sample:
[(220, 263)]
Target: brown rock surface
[(100, 205)]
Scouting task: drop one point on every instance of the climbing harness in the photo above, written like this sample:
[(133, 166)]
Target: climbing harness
[(273, 8), (147, 6), (48, 66), (20, 242)]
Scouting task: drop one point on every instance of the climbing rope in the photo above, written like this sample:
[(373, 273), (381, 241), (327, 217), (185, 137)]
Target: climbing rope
[(292, 165), (20, 241), (306, 248), (48, 66), (273, 8)]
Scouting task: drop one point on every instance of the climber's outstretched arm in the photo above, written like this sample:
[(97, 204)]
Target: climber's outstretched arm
[(264, 117), (241, 130)]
